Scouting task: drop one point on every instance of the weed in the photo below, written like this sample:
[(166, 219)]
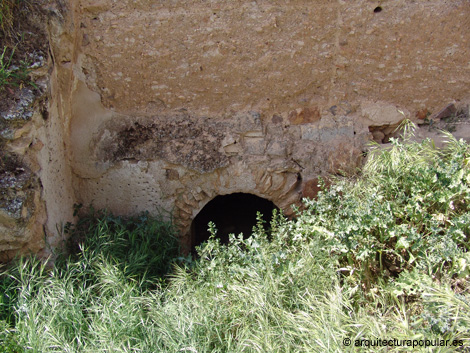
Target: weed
[(409, 209), (11, 75)]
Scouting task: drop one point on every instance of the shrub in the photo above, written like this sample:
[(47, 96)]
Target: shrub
[(409, 208)]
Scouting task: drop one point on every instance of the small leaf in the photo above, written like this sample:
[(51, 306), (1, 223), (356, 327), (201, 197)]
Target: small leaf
[(402, 243)]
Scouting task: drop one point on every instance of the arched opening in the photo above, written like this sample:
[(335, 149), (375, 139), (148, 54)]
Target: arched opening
[(233, 213)]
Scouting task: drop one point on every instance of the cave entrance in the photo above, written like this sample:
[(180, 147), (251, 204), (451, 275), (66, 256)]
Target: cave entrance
[(233, 213)]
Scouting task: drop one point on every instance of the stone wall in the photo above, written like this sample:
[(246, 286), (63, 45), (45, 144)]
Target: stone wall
[(36, 198), (163, 105)]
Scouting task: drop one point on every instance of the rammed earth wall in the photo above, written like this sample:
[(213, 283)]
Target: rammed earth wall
[(167, 104)]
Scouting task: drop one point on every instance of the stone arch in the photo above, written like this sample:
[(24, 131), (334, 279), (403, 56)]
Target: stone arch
[(232, 213), (280, 184)]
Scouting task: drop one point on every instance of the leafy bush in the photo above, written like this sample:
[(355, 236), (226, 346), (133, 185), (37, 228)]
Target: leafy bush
[(409, 208)]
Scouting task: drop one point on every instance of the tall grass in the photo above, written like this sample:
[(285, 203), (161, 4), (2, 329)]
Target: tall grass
[(308, 287), (143, 247)]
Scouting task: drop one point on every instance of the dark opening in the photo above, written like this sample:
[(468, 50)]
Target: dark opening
[(377, 9), (234, 213)]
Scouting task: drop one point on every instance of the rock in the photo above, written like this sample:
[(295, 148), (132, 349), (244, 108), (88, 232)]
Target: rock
[(96, 6), (304, 116), (22, 110), (378, 136), (172, 174), (382, 113), (276, 119), (254, 145), (15, 185), (344, 158), (422, 114), (21, 210), (311, 187), (446, 112), (277, 148)]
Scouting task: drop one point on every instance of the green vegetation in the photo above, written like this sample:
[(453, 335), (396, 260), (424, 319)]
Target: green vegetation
[(7, 8), (142, 247), (12, 75), (14, 68), (11, 13), (409, 211), (381, 255)]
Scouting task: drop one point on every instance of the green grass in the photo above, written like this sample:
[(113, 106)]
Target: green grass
[(13, 75), (383, 255), (14, 71), (142, 247)]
